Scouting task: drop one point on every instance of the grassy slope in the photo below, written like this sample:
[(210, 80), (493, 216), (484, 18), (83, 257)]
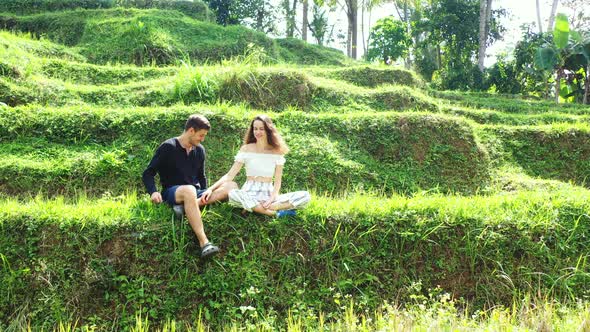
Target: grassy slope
[(145, 37), (488, 250), (75, 130)]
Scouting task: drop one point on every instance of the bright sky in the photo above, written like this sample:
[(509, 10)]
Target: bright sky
[(520, 12)]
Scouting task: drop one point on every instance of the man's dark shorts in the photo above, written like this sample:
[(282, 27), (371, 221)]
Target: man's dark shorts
[(169, 195)]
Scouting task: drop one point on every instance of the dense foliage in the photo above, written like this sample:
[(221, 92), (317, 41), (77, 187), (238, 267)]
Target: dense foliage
[(389, 40)]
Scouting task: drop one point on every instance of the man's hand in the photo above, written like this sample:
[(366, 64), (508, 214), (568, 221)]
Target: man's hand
[(156, 197), (205, 196)]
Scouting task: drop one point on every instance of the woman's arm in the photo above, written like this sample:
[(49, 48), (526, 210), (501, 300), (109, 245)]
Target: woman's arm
[(229, 176), (277, 186)]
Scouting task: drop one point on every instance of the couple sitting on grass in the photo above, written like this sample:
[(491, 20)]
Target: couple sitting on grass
[(180, 163)]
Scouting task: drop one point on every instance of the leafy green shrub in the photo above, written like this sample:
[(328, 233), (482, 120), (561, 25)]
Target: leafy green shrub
[(136, 40), (400, 98), (390, 40), (406, 152), (137, 36), (503, 76), (467, 77)]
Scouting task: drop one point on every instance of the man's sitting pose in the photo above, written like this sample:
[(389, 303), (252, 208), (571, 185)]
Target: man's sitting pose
[(180, 162)]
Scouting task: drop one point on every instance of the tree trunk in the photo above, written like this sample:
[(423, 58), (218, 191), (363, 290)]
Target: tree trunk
[(348, 41), (290, 17), (552, 16), (409, 31), (485, 15), (353, 44), (369, 37), (363, 26), (352, 15), (587, 86), (259, 17), (305, 22), (539, 17), (482, 34), (438, 57), (488, 16), (557, 85)]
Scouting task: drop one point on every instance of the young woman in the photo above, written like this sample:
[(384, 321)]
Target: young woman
[(263, 155)]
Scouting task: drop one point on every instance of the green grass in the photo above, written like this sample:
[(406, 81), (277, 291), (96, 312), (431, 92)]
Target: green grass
[(373, 76), (509, 103), (195, 9), (392, 152), (121, 255), (439, 313), (416, 193), (498, 117), (145, 37)]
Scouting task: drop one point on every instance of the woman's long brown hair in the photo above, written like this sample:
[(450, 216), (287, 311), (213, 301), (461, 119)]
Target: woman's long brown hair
[(273, 137)]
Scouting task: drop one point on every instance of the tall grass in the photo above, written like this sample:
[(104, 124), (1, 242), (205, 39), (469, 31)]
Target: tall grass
[(439, 314)]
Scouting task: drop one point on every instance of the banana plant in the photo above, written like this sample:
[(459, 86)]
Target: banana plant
[(568, 56)]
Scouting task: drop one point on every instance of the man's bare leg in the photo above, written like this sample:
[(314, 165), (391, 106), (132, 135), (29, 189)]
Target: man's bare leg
[(187, 195)]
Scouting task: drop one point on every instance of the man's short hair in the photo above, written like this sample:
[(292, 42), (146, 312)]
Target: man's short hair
[(197, 122)]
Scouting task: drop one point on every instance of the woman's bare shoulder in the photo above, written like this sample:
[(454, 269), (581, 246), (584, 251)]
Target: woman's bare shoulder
[(248, 147)]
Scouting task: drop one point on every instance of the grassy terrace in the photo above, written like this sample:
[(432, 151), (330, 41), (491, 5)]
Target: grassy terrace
[(449, 207), (124, 253)]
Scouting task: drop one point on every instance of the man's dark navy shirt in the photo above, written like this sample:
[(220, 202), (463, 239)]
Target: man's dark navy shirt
[(176, 167)]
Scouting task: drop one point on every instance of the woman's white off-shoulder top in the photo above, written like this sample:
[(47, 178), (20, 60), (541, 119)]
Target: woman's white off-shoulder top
[(260, 164)]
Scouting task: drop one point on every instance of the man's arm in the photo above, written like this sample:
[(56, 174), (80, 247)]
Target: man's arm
[(201, 178), (151, 171)]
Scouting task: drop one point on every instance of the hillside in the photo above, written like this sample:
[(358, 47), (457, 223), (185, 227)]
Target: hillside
[(415, 192), (159, 37)]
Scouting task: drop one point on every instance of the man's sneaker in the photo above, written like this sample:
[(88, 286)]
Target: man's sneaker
[(178, 211), (209, 250), (285, 213)]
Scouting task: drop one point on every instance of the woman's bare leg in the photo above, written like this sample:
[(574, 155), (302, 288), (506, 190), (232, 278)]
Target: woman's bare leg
[(260, 209), (276, 206)]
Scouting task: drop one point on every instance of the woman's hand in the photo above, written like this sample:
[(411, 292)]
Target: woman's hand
[(269, 202), (205, 196)]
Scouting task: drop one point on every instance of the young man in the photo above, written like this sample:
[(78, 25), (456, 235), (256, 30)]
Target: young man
[(180, 162)]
